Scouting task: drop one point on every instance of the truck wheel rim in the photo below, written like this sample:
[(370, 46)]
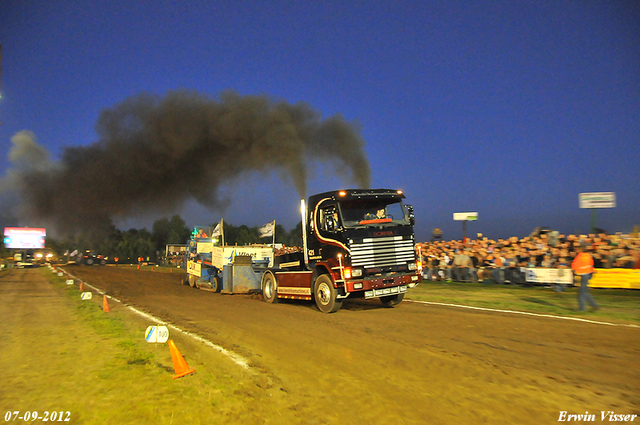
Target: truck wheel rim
[(268, 288), (324, 294)]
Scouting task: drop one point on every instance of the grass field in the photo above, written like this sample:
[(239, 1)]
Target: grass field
[(71, 356), (616, 305)]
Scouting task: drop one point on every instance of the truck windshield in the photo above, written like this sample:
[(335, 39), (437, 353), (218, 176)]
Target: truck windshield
[(376, 212)]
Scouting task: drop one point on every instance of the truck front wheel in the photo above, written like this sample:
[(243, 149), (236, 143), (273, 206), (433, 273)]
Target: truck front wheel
[(192, 281), (269, 288), (392, 300), (325, 295)]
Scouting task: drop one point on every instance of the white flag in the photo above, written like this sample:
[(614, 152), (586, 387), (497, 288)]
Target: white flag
[(74, 253), (218, 229), (267, 229)]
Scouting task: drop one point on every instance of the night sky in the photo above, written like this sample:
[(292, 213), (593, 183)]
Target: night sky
[(510, 109)]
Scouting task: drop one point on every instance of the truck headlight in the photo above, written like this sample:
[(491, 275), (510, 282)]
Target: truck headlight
[(412, 266), (356, 272)]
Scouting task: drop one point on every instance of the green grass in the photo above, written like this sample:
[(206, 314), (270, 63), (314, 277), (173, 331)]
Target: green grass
[(99, 367), (616, 305)]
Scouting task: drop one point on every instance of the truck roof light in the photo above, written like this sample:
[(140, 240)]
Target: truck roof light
[(399, 192), (342, 193)]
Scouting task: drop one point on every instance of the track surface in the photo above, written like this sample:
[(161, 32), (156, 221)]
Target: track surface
[(410, 364)]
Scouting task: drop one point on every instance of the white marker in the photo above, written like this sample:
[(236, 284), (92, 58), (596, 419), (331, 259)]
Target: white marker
[(157, 334), (86, 295)]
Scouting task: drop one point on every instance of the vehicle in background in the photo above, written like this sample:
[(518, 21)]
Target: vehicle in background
[(90, 258)]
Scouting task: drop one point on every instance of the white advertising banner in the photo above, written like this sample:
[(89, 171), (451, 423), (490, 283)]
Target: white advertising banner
[(222, 256), (541, 275), (465, 216), (598, 200)]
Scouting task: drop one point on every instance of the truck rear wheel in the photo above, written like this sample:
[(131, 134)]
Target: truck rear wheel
[(216, 284), (325, 295), (392, 301), (269, 288)]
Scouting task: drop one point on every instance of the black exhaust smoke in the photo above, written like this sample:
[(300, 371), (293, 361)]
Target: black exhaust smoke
[(154, 153)]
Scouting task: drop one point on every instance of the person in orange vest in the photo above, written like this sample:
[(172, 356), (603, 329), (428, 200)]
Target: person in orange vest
[(582, 265)]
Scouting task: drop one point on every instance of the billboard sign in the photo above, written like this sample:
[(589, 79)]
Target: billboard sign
[(465, 216), (598, 200), (24, 237)]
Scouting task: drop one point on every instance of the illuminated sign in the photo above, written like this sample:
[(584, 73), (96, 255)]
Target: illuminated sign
[(598, 200), (465, 216), (24, 237)]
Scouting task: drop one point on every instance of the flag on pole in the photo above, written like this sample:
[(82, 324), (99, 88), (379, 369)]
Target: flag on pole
[(267, 229), (217, 231), (74, 253)]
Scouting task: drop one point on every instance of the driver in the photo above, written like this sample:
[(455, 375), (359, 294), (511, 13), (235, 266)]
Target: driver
[(380, 214)]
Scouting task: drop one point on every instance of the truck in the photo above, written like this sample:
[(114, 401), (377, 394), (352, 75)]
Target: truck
[(357, 243)]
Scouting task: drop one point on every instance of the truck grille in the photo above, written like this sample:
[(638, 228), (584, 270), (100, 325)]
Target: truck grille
[(382, 252)]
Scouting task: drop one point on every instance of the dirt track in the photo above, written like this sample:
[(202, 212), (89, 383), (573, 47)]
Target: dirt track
[(410, 364)]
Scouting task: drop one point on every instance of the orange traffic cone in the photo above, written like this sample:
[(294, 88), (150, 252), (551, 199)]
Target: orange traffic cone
[(81, 288), (138, 266), (105, 304), (179, 363)]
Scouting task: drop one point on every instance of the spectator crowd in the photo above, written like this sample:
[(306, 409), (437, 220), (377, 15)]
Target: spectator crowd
[(505, 260)]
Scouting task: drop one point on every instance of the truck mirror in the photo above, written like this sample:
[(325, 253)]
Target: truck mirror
[(412, 217), (330, 224)]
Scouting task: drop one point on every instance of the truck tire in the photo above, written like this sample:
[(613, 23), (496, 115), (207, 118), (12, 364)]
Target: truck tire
[(89, 262), (392, 300), (103, 262), (192, 281), (216, 284), (325, 295), (269, 288)]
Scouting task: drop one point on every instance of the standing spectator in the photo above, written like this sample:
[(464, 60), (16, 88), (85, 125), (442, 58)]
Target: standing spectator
[(562, 266), (461, 264), (473, 270), (449, 266), (582, 265), (435, 262), (513, 268), (498, 271), (636, 256)]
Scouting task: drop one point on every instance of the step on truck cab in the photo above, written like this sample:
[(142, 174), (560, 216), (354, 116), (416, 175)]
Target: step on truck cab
[(357, 243)]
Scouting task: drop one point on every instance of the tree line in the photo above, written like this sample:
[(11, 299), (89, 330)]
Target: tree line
[(131, 244)]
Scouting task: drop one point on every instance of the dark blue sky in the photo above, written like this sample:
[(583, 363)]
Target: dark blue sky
[(507, 108)]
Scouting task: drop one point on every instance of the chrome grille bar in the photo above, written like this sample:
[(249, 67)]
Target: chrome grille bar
[(382, 252)]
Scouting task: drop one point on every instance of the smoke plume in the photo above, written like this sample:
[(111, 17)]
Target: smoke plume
[(154, 153)]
